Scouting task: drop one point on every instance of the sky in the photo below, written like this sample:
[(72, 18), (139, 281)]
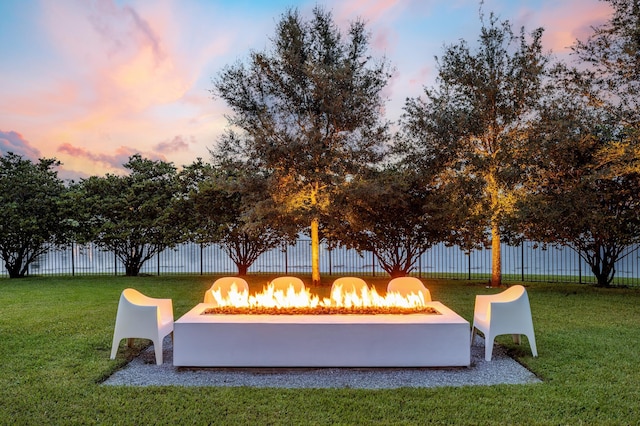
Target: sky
[(92, 82)]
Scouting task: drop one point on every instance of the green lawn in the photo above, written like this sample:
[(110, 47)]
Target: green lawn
[(55, 338)]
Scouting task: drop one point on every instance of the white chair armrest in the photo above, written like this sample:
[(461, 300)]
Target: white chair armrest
[(482, 305), (165, 309)]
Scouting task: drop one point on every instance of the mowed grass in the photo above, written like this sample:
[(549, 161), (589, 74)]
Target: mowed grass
[(55, 340)]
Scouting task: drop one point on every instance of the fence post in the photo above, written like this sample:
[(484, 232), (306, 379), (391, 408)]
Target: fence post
[(201, 258), (73, 264), (522, 261), (469, 266), (115, 263), (579, 268), (329, 253), (286, 260), (158, 256), (420, 266), (373, 263)]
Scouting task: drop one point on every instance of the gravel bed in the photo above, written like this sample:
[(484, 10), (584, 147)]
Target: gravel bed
[(142, 371)]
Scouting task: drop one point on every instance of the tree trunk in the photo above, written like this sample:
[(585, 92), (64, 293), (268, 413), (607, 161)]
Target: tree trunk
[(397, 272), (243, 268), (496, 255), (315, 252), (604, 279), (132, 266), (603, 266), (15, 269), (14, 272), (132, 270)]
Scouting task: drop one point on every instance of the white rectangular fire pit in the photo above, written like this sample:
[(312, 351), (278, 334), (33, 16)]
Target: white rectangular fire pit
[(414, 340)]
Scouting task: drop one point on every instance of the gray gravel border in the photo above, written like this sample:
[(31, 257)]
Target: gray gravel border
[(502, 369)]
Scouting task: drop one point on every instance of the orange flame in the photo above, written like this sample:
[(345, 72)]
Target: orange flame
[(270, 297)]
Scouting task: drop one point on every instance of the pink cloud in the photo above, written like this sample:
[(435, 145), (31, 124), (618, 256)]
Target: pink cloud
[(384, 39), (16, 143), (177, 144), (564, 22), (123, 63), (379, 16), (371, 11), (115, 160), (128, 22), (48, 101), (121, 28), (129, 62), (421, 76)]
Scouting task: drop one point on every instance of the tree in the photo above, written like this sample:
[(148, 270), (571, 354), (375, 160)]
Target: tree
[(233, 208), (134, 215), (395, 214), (32, 201), (610, 60), (309, 108), (585, 192), (478, 119)]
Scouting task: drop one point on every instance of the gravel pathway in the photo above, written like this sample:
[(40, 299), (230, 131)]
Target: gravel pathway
[(143, 371)]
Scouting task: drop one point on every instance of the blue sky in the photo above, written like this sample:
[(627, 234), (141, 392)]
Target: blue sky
[(92, 82)]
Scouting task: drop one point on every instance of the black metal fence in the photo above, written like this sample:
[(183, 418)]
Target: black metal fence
[(526, 262)]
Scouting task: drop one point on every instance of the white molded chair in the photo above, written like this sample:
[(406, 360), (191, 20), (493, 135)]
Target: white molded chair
[(224, 284), (408, 285), (348, 285), (283, 283), (142, 317), (508, 312)]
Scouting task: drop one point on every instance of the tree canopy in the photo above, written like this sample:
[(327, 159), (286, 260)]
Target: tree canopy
[(610, 59), (475, 122), (585, 181), (395, 214), (310, 110), (234, 209), (34, 213), (134, 215)]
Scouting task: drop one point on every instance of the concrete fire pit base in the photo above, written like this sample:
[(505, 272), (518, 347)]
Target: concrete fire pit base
[(416, 340)]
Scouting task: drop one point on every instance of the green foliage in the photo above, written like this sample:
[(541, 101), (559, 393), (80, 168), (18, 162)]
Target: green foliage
[(134, 215), (309, 110), (583, 189), (233, 208), (474, 125), (56, 354), (612, 58), (34, 214), (395, 214), (584, 183)]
